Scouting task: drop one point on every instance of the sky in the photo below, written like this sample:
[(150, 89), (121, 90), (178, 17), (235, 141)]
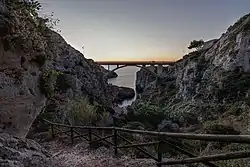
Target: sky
[(141, 29)]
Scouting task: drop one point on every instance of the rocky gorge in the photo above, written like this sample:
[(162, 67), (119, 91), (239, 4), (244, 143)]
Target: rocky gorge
[(207, 91), (42, 76)]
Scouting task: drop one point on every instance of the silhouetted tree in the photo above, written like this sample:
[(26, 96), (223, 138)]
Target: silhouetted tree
[(196, 44), (33, 7)]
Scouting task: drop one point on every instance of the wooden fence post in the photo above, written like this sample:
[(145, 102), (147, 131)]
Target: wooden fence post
[(115, 141), (159, 152), (72, 135), (114, 121), (90, 139), (52, 131)]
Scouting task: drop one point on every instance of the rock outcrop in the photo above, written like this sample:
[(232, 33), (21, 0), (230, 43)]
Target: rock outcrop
[(206, 84), (110, 74), (122, 93), (17, 152), (38, 67)]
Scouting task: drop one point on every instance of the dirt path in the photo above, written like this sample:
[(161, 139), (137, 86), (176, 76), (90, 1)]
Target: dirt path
[(80, 156)]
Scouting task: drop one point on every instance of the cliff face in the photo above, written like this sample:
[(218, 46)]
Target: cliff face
[(206, 84), (38, 67)]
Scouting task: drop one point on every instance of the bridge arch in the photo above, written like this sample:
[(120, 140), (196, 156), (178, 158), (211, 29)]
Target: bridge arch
[(139, 66)]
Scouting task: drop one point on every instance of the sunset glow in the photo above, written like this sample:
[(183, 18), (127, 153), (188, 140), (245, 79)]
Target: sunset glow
[(141, 29)]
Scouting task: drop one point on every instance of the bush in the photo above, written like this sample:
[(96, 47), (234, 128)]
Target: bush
[(81, 112), (149, 115), (234, 90), (48, 82), (134, 125), (32, 6)]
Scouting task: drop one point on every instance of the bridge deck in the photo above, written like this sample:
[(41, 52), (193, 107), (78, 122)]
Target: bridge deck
[(135, 62)]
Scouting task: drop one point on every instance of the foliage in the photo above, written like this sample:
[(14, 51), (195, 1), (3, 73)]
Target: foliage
[(134, 125), (215, 127), (149, 115), (244, 21), (81, 112), (48, 82), (28, 10), (32, 6), (235, 110), (233, 90), (50, 21), (26, 29), (196, 44)]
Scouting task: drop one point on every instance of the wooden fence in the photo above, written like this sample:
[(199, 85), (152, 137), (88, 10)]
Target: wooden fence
[(163, 138)]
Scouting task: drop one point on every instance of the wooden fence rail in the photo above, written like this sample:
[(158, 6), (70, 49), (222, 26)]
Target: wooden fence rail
[(162, 141)]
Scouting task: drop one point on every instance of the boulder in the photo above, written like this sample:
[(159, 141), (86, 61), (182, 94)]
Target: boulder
[(123, 93), (17, 152), (112, 74)]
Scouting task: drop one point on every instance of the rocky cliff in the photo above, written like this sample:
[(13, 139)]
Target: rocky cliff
[(211, 84), (37, 67)]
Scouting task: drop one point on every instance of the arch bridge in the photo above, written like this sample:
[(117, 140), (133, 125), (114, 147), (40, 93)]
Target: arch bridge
[(140, 64)]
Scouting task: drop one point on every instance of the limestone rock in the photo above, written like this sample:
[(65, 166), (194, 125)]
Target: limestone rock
[(122, 93), (20, 97), (16, 152)]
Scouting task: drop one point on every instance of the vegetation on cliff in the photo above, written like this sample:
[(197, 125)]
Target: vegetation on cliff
[(41, 69), (209, 92)]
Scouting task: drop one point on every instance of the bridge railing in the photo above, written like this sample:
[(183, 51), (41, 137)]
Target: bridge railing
[(163, 138)]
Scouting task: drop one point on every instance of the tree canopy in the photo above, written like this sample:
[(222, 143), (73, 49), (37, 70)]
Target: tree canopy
[(196, 44)]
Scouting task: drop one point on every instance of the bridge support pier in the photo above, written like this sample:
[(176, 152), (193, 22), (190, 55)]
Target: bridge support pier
[(159, 69)]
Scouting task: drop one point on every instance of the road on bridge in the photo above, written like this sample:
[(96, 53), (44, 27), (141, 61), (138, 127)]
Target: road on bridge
[(133, 63)]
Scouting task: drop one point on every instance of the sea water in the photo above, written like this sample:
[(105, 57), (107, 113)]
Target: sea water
[(126, 77)]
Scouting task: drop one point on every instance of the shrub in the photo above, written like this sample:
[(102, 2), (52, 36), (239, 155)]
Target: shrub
[(149, 115), (81, 112), (134, 125), (32, 6), (48, 82)]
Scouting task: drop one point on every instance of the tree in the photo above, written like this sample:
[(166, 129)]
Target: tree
[(196, 44)]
